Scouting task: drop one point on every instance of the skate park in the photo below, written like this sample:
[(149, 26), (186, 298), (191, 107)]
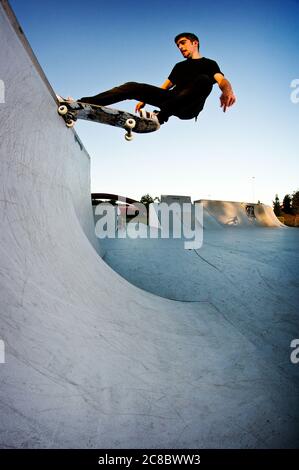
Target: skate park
[(131, 343)]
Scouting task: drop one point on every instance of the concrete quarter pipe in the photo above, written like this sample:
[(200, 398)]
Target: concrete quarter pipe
[(92, 361)]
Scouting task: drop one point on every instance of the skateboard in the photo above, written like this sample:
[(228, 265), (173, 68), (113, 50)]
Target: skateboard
[(73, 110)]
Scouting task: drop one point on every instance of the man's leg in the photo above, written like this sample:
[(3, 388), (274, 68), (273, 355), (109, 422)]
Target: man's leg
[(130, 91), (185, 104)]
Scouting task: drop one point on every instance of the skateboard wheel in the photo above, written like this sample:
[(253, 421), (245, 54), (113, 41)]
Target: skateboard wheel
[(129, 137), (70, 123), (130, 123), (62, 110)]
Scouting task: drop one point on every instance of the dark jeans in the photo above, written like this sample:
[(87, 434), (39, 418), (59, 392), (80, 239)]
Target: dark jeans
[(185, 103)]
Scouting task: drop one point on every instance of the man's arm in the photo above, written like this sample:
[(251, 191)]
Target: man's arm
[(166, 86), (227, 98)]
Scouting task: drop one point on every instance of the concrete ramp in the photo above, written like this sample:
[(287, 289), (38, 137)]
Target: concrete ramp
[(238, 214), (90, 360), (218, 214)]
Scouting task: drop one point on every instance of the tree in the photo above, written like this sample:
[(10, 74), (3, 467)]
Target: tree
[(295, 202), (146, 200), (276, 206), (287, 204)]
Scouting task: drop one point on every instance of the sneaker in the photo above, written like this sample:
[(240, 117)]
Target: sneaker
[(153, 115), (69, 99)]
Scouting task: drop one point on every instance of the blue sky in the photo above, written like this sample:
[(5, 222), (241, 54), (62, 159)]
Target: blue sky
[(250, 152)]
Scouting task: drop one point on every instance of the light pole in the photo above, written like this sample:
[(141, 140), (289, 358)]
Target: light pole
[(253, 195)]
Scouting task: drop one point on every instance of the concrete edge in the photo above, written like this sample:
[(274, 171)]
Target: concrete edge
[(24, 41)]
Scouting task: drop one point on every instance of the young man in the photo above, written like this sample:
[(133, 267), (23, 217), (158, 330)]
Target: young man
[(183, 94)]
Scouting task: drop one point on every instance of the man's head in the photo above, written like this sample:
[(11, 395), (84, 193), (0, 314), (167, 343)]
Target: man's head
[(188, 43)]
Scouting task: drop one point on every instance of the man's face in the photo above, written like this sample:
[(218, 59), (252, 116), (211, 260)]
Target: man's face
[(187, 47)]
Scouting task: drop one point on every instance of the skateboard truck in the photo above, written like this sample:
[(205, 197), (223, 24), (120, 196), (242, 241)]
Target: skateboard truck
[(69, 118), (129, 125)]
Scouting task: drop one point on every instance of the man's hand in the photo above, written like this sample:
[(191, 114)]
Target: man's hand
[(227, 99), (139, 106)]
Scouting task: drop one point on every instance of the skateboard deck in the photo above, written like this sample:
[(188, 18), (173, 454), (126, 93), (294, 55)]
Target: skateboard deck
[(71, 111)]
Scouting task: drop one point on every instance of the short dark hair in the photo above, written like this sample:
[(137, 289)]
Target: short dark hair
[(190, 36)]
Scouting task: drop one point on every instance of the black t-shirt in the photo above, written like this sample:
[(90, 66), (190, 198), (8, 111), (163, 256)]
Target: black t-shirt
[(188, 70)]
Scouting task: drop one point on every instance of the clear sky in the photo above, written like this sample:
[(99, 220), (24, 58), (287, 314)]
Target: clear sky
[(249, 153)]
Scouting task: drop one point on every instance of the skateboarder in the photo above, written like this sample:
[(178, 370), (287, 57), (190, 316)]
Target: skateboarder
[(183, 94)]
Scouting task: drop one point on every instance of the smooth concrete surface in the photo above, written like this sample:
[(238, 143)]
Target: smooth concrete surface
[(92, 361), (243, 214), (249, 276)]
